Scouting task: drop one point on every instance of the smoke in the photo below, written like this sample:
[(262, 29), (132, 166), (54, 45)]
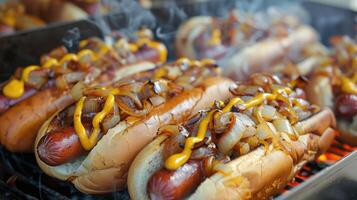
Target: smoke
[(166, 16), (126, 16), (71, 40)]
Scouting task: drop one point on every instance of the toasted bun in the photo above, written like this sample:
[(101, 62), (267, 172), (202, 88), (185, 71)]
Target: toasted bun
[(319, 91), (187, 34), (105, 168), (262, 55), (140, 172), (262, 174), (256, 175), (255, 58), (20, 124)]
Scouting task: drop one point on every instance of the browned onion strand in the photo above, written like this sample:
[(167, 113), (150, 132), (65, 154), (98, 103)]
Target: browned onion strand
[(38, 78), (160, 86), (133, 111), (77, 90), (173, 145), (240, 131), (73, 77), (112, 120), (223, 122), (93, 105), (157, 100)]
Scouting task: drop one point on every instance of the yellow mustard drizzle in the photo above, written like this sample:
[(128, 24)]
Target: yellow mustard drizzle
[(16, 88), (50, 62), (89, 142), (68, 57), (27, 71), (155, 45), (177, 160), (348, 85), (87, 52)]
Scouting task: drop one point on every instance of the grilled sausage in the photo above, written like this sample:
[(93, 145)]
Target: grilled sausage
[(346, 105), (60, 146), (165, 184)]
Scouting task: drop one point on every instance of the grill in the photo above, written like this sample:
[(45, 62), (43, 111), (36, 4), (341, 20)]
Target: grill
[(336, 152), (21, 178)]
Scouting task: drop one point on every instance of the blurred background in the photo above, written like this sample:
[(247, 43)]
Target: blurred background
[(24, 24)]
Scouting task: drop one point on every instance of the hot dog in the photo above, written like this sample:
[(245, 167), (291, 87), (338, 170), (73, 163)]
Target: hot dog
[(248, 147), (35, 93), (242, 44), (333, 84), (130, 113)]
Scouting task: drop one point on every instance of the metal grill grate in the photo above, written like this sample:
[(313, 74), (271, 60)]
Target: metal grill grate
[(336, 152)]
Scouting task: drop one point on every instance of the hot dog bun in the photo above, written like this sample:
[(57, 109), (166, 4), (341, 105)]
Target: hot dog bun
[(244, 60), (319, 91), (256, 175), (278, 169), (260, 56), (20, 124), (104, 169)]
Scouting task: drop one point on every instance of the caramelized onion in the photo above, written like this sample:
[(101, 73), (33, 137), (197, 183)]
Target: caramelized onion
[(133, 96), (247, 90), (111, 120), (73, 77), (77, 90), (253, 142), (160, 86), (173, 73), (157, 100), (242, 148), (249, 132), (193, 120), (63, 81), (268, 112), (262, 80), (223, 122), (37, 78), (92, 105), (283, 125), (133, 111), (175, 143), (202, 152), (265, 131), (96, 91), (302, 114), (233, 136), (93, 74)]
